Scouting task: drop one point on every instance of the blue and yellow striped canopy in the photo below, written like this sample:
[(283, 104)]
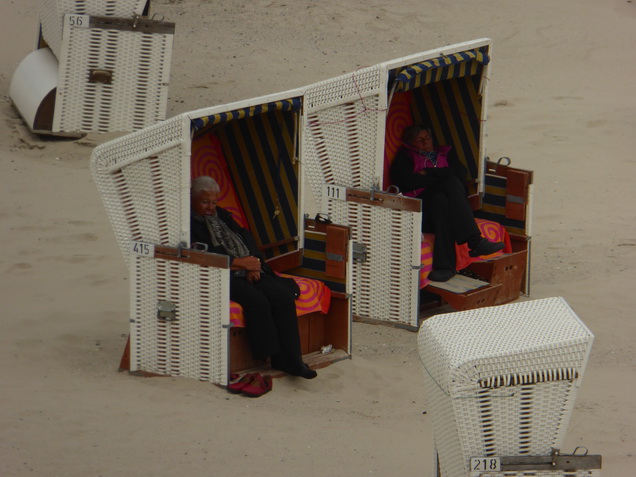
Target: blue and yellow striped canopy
[(455, 65), (293, 104)]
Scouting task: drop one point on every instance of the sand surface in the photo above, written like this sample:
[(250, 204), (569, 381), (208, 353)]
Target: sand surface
[(561, 102)]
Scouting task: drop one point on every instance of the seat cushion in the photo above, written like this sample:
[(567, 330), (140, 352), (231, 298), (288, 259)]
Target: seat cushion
[(493, 231), (315, 296)]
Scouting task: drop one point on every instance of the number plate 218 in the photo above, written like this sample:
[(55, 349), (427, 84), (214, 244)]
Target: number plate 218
[(485, 464)]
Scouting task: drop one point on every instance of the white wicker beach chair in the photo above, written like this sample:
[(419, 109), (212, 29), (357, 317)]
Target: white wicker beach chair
[(180, 309), (52, 13), (501, 384), (348, 130), (95, 71)]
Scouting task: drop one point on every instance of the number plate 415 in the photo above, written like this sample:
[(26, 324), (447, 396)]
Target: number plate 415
[(143, 249)]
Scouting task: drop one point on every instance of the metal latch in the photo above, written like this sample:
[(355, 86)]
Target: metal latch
[(578, 460), (359, 252), (166, 310), (334, 257)]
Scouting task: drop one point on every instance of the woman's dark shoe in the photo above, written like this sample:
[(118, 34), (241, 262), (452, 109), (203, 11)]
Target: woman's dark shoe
[(485, 247), (303, 371), (298, 369), (441, 275)]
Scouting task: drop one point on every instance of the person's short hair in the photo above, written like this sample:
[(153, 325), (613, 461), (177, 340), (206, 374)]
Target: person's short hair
[(411, 132), (204, 184)]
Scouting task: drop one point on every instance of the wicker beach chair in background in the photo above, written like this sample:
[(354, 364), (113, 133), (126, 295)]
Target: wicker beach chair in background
[(99, 66)]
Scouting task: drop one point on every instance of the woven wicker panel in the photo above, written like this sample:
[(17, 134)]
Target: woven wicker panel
[(385, 287), (502, 380), (343, 130), (195, 344), (52, 13), (144, 183), (345, 88), (138, 93)]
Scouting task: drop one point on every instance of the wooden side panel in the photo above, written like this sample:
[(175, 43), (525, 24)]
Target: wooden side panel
[(485, 296), (517, 194), (316, 332), (336, 249), (338, 322), (507, 271), (240, 354)]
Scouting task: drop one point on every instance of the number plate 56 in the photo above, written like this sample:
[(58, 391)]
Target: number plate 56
[(77, 21)]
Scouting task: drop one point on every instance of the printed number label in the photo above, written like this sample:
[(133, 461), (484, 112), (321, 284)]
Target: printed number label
[(143, 249), (485, 464), (78, 21), (334, 192)]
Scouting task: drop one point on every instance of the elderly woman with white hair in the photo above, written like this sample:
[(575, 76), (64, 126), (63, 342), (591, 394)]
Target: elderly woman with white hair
[(267, 300)]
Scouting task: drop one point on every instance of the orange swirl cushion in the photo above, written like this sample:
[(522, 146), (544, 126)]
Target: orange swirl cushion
[(491, 230), (314, 296)]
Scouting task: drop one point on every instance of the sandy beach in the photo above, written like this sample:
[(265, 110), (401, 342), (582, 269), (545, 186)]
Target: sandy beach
[(561, 103)]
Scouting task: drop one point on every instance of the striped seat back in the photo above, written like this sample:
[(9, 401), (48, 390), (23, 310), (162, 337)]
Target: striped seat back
[(507, 199), (446, 92), (258, 152)]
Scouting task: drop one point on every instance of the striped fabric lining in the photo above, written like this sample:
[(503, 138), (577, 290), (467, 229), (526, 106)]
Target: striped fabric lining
[(260, 154), (259, 150), (314, 258), (453, 108), (455, 65), (200, 124), (494, 206), (445, 93)]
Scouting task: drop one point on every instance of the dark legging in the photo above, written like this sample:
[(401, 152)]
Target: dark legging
[(447, 213), (270, 316)]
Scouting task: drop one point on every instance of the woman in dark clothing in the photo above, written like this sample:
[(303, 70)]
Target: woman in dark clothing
[(268, 303), (422, 170)]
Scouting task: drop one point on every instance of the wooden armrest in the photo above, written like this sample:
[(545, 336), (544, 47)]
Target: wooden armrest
[(279, 243), (286, 261), (192, 256)]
